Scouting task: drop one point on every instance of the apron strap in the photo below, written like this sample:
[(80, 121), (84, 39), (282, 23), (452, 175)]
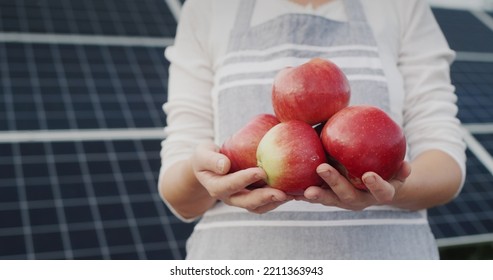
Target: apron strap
[(245, 13), (354, 11)]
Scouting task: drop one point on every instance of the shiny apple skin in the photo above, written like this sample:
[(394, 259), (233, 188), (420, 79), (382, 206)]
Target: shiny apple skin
[(364, 138), (241, 147), (311, 92), (289, 154)]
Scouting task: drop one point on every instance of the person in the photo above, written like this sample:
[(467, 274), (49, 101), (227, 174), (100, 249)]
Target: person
[(222, 64)]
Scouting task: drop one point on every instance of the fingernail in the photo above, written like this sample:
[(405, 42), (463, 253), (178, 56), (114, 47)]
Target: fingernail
[(258, 176), (276, 199), (313, 198), (220, 165), (324, 170), (370, 179)]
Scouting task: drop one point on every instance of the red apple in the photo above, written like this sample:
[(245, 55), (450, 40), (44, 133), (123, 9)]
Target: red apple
[(364, 138), (311, 92), (289, 153), (241, 147)]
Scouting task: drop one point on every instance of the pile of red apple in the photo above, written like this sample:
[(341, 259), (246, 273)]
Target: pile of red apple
[(314, 124)]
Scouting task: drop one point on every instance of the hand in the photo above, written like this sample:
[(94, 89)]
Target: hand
[(211, 170), (339, 192)]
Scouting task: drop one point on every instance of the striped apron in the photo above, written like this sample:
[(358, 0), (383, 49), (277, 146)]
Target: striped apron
[(299, 230)]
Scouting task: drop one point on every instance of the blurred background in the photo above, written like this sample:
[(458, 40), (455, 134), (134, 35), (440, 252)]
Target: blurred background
[(82, 83)]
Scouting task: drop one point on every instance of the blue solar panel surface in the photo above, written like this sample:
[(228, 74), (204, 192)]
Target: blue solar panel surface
[(89, 199), (464, 31), (49, 86), (94, 17), (97, 198), (474, 84)]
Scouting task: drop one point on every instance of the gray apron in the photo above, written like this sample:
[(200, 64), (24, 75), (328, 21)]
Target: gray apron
[(227, 233)]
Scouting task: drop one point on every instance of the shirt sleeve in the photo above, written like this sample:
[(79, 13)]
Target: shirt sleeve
[(189, 116), (430, 109), (188, 109)]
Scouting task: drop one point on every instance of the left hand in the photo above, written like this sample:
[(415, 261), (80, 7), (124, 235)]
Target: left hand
[(338, 191)]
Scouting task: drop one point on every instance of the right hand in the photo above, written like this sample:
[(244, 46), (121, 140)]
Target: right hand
[(211, 170)]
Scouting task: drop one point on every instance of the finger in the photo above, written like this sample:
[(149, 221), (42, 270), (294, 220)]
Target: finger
[(223, 186), (208, 158), (268, 207), (345, 191), (328, 174), (255, 199), (319, 195), (382, 191)]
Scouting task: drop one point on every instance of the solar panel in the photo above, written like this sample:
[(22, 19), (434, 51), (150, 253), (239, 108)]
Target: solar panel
[(85, 199), (95, 197), (49, 86), (474, 85), (464, 31), (110, 17)]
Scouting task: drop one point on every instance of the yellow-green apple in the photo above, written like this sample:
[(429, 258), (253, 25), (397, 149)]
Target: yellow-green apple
[(289, 153), (241, 147), (311, 92), (364, 138)]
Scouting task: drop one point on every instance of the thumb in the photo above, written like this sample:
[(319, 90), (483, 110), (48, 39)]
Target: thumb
[(223, 164), (208, 158)]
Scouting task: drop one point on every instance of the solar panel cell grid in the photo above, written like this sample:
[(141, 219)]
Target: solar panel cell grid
[(84, 203), (121, 89), (109, 17), (474, 84), (487, 141), (464, 31)]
